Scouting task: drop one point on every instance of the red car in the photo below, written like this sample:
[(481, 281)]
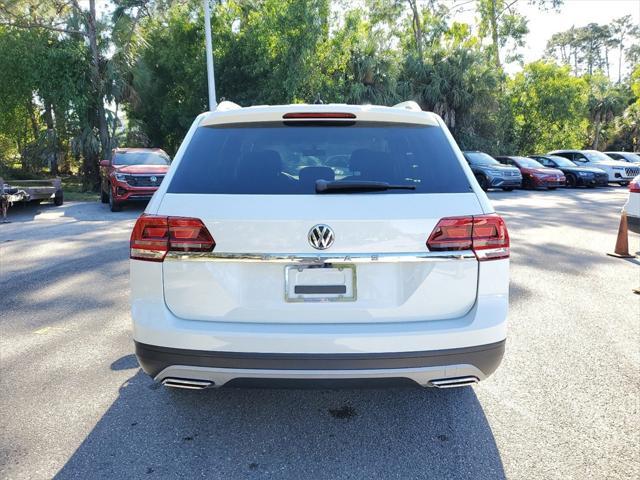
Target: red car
[(132, 174), (534, 174)]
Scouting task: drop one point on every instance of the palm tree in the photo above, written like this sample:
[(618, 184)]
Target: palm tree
[(604, 103)]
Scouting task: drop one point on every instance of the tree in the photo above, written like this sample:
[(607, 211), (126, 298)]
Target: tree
[(621, 29), (69, 20), (604, 102), (549, 108), (44, 88), (500, 20)]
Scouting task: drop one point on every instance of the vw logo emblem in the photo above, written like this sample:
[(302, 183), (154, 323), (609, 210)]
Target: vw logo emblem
[(321, 237), (154, 179)]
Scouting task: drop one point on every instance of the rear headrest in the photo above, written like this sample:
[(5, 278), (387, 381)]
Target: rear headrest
[(311, 174), (372, 165), (261, 164)]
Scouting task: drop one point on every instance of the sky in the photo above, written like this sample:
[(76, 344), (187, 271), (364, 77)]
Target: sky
[(543, 24)]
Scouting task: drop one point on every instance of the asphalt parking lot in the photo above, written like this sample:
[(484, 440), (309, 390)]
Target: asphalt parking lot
[(564, 403)]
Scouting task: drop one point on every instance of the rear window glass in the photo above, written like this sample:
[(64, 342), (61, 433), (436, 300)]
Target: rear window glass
[(479, 158), (278, 159), (140, 158)]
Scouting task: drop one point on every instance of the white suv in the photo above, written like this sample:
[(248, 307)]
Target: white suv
[(619, 172), (323, 243)]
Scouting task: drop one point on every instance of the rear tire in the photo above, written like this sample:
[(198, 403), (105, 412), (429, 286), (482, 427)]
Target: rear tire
[(572, 181), (484, 183), (113, 205), (58, 199)]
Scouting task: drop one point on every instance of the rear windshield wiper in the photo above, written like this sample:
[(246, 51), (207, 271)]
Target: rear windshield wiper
[(323, 186)]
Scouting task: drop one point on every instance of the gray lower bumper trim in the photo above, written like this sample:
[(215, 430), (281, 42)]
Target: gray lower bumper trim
[(154, 359)]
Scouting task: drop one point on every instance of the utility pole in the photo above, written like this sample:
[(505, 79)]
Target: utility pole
[(210, 78)]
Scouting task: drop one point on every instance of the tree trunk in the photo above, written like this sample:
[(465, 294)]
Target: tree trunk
[(34, 120), (115, 121), (52, 138), (96, 78), (596, 133), (103, 129), (417, 26), (493, 20), (620, 63)]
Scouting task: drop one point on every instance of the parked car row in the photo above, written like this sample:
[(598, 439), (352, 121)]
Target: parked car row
[(571, 168)]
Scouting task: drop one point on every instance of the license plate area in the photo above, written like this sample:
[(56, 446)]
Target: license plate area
[(320, 283)]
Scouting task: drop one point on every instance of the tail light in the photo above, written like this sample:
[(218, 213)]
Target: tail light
[(634, 186), (153, 236), (485, 235)]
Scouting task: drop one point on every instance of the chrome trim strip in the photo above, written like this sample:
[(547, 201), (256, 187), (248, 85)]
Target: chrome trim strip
[(320, 258)]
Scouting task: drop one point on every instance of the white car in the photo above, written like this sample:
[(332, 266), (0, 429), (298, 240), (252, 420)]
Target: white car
[(250, 266), (619, 172), (629, 157), (632, 207)]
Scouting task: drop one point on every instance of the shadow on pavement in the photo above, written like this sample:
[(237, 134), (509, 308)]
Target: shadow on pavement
[(76, 210), (153, 432)]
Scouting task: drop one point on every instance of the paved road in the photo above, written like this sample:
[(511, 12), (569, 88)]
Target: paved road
[(564, 404)]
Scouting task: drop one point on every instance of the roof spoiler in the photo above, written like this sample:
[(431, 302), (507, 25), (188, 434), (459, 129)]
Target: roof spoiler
[(409, 105), (226, 105)]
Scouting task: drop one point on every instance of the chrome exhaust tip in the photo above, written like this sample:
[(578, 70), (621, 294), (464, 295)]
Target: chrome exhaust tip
[(187, 383), (453, 382)]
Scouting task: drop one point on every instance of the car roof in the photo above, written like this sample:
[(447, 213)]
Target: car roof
[(406, 112), (572, 151)]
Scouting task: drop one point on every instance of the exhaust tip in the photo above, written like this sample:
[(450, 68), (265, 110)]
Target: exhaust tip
[(454, 382), (186, 383)]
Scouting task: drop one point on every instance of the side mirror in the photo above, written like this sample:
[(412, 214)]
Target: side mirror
[(105, 163)]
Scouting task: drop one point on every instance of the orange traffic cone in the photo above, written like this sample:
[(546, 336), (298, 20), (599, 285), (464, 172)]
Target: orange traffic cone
[(621, 249)]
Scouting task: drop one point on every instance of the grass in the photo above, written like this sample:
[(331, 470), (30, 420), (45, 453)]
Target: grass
[(73, 192)]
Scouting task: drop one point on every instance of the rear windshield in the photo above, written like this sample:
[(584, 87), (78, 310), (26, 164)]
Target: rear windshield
[(278, 159), (527, 162), (140, 158), (561, 161), (480, 158)]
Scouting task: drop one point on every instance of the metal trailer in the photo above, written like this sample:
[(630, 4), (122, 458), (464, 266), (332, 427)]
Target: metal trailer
[(29, 190)]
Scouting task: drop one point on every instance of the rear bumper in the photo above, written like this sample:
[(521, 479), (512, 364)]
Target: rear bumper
[(223, 367)]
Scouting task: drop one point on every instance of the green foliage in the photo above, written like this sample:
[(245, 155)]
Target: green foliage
[(635, 83), (63, 103), (549, 108)]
